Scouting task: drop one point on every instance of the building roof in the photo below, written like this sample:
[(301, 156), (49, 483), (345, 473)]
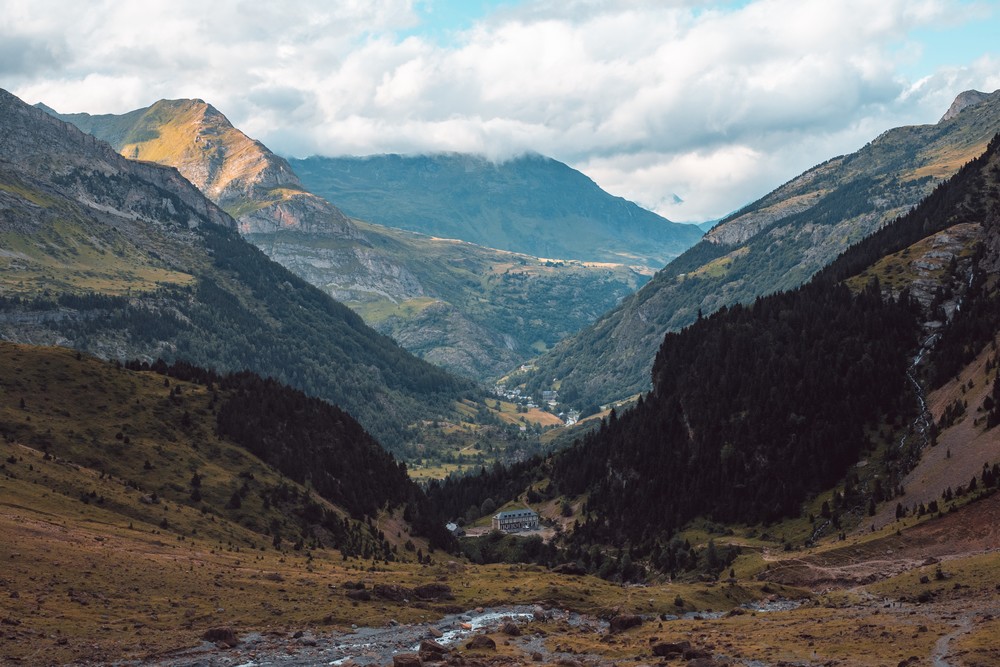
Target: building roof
[(516, 514)]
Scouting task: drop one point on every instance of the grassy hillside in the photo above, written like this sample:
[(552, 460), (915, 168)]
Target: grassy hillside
[(532, 205), (774, 244)]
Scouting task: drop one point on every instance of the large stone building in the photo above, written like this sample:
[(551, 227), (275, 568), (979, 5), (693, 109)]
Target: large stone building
[(513, 521)]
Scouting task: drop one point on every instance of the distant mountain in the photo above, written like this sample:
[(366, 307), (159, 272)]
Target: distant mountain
[(531, 204), (127, 259), (775, 243), (707, 225), (473, 310)]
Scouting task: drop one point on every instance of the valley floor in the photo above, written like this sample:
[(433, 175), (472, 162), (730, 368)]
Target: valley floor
[(79, 590)]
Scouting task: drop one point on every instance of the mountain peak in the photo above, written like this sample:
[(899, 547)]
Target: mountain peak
[(255, 186), (964, 100)]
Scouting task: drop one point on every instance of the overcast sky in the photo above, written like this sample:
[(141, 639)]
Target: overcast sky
[(716, 102)]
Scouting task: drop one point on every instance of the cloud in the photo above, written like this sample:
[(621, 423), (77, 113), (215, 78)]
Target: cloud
[(715, 102)]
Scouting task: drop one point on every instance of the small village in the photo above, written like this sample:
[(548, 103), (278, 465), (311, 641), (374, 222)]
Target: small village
[(549, 402)]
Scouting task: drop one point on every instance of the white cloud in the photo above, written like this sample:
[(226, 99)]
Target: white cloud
[(716, 103)]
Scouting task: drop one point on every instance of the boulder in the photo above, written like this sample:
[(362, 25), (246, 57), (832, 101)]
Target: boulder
[(482, 642), (434, 592), (391, 592), (434, 632), (670, 649), (359, 594), (432, 651), (623, 622), (510, 628), (696, 653), (406, 660), (222, 637), (706, 662)]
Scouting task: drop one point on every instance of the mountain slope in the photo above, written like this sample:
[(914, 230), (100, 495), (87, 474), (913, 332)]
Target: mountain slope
[(163, 427), (775, 243), (755, 408), (758, 413), (473, 310), (81, 223), (531, 204)]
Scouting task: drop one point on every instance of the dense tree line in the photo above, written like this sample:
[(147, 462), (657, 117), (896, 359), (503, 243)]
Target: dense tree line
[(753, 410), (454, 495)]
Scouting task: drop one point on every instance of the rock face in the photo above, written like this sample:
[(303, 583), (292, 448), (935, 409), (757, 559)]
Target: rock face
[(47, 147), (966, 99)]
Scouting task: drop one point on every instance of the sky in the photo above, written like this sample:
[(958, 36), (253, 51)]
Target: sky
[(690, 108)]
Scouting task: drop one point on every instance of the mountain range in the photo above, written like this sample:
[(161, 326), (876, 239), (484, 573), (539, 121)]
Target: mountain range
[(812, 477), (472, 309), (775, 243)]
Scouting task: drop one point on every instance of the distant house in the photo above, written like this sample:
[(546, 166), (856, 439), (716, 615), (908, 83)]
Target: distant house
[(454, 529), (513, 521)]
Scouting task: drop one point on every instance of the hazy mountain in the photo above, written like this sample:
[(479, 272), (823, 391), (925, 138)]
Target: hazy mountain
[(471, 309), (707, 225), (127, 259), (531, 204), (773, 244)]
